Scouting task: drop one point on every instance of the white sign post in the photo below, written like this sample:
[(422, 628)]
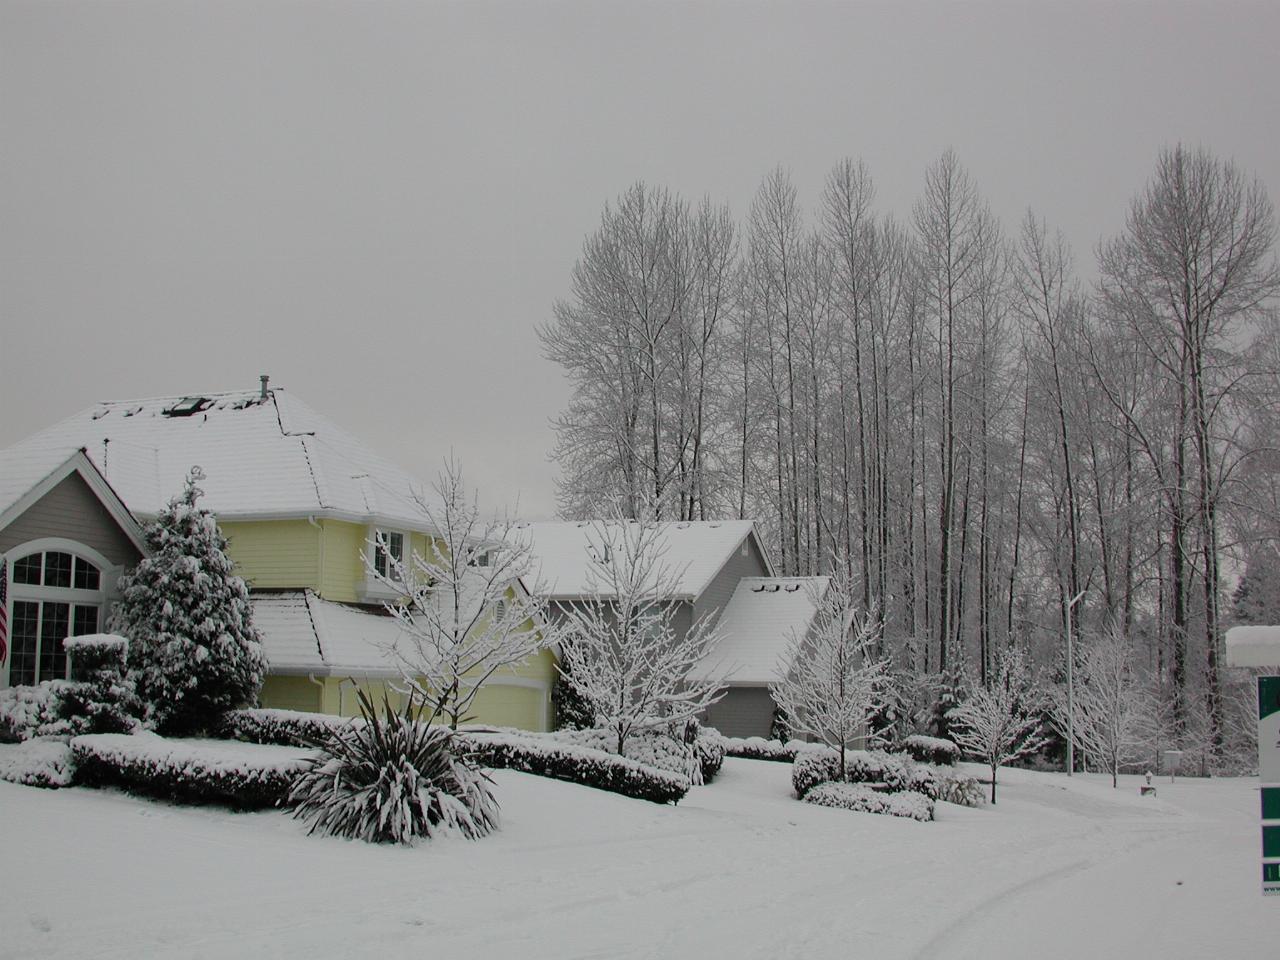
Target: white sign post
[(1260, 647)]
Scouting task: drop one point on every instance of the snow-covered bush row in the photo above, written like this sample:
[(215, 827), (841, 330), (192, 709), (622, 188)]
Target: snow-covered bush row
[(540, 754), (290, 728), (758, 748), (35, 711), (930, 749), (391, 779), (897, 772), (699, 761), (856, 796), (244, 776), (37, 763), (577, 764)]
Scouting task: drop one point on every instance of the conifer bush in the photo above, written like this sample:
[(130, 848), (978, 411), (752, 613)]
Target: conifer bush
[(193, 649), (100, 697), (393, 779)]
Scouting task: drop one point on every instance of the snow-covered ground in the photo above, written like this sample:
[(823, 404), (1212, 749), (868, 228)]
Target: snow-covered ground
[(1060, 868)]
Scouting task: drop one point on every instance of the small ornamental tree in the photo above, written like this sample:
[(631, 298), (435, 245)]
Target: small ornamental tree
[(996, 724), (193, 649), (627, 656), (1113, 711), (831, 682), (464, 610)]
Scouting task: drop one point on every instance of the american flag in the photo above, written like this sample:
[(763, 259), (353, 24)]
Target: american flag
[(4, 611)]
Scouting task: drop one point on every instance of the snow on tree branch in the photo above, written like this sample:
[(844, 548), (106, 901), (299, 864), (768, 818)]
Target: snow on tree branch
[(627, 656), (831, 683), (463, 606)]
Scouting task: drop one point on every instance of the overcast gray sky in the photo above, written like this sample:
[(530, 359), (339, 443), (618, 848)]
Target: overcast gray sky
[(377, 202)]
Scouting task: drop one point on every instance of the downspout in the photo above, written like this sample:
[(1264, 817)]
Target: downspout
[(320, 684)]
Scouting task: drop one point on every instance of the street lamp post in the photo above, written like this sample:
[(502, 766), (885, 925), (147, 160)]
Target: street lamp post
[(1071, 693)]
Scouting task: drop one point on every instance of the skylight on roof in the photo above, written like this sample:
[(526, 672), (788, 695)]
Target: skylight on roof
[(188, 406)]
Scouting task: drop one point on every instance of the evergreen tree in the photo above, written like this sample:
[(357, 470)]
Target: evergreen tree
[(193, 649)]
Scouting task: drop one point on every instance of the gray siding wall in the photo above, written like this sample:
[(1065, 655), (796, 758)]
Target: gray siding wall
[(716, 597), (71, 510), (743, 712)]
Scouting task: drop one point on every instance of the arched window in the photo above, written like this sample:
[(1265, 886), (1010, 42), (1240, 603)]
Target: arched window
[(53, 594)]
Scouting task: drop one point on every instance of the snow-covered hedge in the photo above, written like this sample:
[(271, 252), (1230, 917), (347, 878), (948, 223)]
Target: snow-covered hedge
[(244, 776), (758, 748), (37, 763), (896, 772), (543, 754), (930, 750), (709, 748), (856, 796), (27, 712), (699, 761), (290, 728), (577, 764)]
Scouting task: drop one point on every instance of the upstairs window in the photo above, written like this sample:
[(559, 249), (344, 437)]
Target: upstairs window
[(387, 542)]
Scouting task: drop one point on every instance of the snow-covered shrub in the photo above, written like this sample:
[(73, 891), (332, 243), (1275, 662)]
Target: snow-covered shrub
[(709, 748), (32, 711), (653, 748), (293, 728), (393, 779), (951, 786), (896, 772), (758, 748), (930, 749), (547, 757), (813, 768), (856, 796), (239, 775), (193, 649), (99, 698), (38, 763)]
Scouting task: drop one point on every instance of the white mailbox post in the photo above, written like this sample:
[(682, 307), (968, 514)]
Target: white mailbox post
[(1260, 647)]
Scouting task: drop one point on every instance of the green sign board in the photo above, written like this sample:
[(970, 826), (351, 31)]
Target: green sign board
[(1269, 773)]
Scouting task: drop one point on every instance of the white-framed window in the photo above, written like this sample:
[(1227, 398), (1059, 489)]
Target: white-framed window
[(387, 543), (53, 594)]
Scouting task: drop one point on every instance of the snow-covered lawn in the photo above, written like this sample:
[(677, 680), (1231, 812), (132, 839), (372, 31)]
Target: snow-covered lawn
[(739, 869)]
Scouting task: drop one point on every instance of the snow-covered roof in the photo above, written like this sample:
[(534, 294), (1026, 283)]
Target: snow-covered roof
[(303, 634), (1253, 646), (758, 624), (565, 553), (263, 458)]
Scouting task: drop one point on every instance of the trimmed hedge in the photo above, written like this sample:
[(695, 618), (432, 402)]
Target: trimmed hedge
[(38, 763), (288, 728), (758, 748), (242, 776), (930, 750), (898, 773), (539, 754), (562, 761), (33, 711), (856, 796)]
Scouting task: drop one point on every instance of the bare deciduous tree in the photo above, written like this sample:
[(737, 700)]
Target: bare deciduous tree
[(626, 654)]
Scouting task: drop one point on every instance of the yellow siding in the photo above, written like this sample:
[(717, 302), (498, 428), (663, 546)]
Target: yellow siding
[(498, 704), (343, 563), (275, 553), (291, 693), (502, 705)]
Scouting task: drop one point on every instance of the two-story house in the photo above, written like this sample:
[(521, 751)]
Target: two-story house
[(300, 501)]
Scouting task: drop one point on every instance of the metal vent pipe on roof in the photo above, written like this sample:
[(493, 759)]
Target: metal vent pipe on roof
[(264, 378)]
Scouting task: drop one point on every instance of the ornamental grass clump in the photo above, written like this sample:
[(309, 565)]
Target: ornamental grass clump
[(393, 779)]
